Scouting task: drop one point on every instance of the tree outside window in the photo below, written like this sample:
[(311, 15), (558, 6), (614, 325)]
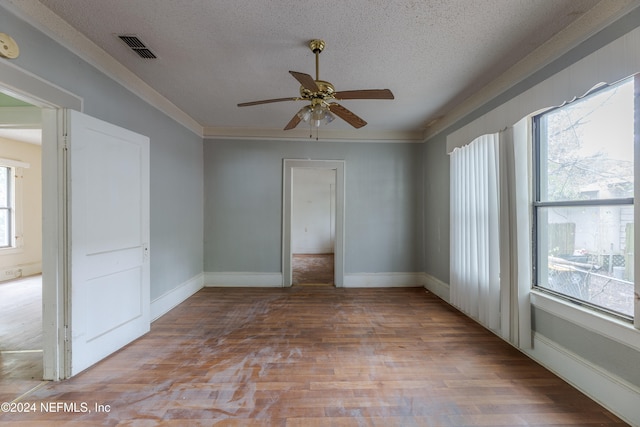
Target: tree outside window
[(583, 209)]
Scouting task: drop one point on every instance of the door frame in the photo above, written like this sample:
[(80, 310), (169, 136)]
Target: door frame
[(287, 209), (30, 88)]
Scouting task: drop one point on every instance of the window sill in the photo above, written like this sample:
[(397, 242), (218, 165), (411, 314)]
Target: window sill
[(608, 326), (11, 251)]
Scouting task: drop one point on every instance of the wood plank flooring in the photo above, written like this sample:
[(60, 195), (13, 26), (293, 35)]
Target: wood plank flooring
[(316, 356), (317, 269), (20, 336)]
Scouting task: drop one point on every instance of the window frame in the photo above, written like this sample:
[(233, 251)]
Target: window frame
[(16, 169), (538, 205), (10, 205)]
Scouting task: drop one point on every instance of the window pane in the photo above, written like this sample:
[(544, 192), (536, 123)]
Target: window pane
[(5, 233), (4, 187), (588, 253), (586, 147)]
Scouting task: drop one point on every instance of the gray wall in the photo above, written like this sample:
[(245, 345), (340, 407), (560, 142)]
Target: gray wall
[(176, 153), (243, 204), (597, 349)]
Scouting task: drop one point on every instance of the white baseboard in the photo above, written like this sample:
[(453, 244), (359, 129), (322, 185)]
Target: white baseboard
[(610, 391), (22, 270), (384, 280), (164, 303), (437, 286), (271, 280), (614, 393), (240, 279)]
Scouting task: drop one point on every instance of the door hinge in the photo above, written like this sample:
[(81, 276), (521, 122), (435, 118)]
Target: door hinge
[(66, 333)]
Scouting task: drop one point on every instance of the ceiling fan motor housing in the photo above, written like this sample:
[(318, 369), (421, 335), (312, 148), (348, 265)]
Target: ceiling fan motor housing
[(326, 91)]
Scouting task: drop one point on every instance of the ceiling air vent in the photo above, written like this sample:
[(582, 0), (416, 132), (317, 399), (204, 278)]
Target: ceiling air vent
[(137, 46)]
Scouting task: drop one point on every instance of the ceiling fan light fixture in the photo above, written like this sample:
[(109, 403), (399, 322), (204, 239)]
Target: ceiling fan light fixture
[(305, 113), (317, 112), (328, 117), (316, 115)]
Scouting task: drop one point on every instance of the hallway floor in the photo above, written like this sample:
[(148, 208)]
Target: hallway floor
[(312, 269)]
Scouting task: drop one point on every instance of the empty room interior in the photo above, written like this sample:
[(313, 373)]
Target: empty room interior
[(289, 213)]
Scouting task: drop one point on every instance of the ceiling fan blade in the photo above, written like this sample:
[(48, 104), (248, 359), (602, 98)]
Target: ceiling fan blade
[(293, 122), (306, 81), (347, 115), (364, 94), (266, 101)]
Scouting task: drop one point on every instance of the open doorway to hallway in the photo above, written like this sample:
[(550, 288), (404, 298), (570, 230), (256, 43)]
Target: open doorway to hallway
[(336, 174), (313, 226)]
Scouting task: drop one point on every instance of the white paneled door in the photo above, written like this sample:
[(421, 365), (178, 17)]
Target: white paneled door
[(108, 235)]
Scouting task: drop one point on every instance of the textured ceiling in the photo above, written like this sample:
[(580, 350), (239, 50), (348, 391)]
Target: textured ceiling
[(213, 55)]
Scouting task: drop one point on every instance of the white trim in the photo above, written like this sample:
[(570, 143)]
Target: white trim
[(609, 390), (608, 326), (54, 256), (31, 269), (287, 206), (325, 134), (14, 163), (636, 195), (384, 280), (20, 271), (26, 86), (596, 19), (59, 30), (243, 280), (438, 287), (166, 302), (609, 64), (21, 84)]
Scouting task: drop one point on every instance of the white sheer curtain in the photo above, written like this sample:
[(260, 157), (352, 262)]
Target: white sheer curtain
[(475, 223), (515, 231)]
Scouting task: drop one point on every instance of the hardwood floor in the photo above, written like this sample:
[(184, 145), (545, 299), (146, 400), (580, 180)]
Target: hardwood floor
[(316, 356), (20, 336), (316, 269)]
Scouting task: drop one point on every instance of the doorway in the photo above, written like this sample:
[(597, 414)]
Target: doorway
[(71, 328), (313, 216), (26, 87), (21, 332), (313, 226)]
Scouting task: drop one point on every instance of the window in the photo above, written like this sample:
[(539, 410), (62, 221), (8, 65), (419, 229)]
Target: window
[(6, 207), (584, 206)]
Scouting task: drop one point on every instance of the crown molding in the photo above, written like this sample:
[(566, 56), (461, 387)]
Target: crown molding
[(42, 18), (39, 16), (597, 18), (324, 134)]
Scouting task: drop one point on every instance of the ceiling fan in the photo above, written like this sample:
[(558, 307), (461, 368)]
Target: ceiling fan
[(321, 96)]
